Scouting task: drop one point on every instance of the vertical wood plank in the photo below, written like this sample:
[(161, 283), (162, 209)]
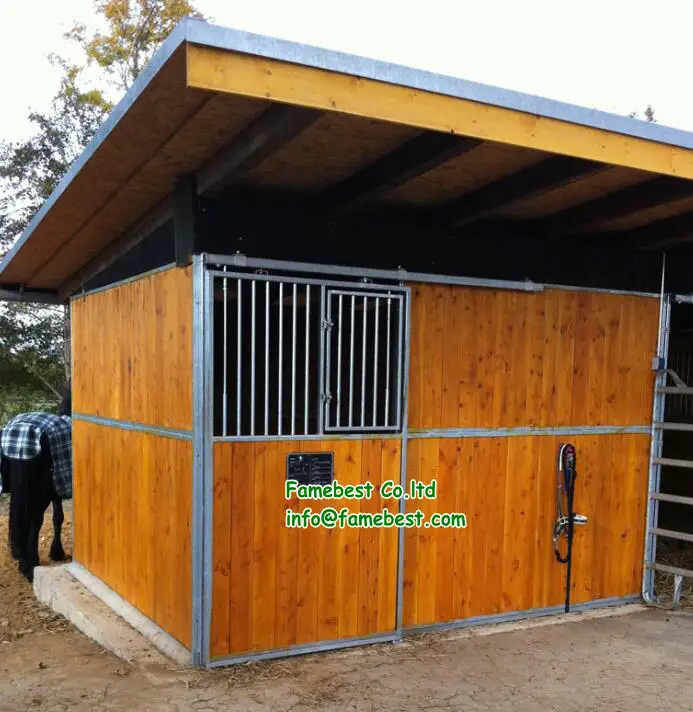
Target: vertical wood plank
[(287, 561), (328, 607), (389, 541), (410, 607), (349, 568), (242, 526), (482, 349), (369, 542), (221, 550), (445, 538), (427, 545), (268, 487)]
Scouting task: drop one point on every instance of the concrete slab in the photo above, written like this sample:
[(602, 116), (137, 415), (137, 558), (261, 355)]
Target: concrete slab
[(105, 617)]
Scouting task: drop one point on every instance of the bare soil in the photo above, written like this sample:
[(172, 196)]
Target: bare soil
[(639, 661)]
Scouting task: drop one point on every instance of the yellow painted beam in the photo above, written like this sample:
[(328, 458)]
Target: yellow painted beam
[(225, 71)]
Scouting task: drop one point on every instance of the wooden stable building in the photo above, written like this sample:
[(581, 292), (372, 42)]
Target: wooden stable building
[(286, 261)]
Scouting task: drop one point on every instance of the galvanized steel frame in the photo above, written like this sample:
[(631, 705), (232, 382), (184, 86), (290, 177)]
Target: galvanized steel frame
[(134, 426), (204, 440), (203, 475), (303, 649), (521, 615), (402, 275), (530, 430), (654, 496), (200, 504), (125, 280), (656, 441)]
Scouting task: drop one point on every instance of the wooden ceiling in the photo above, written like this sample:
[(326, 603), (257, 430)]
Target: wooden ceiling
[(516, 174)]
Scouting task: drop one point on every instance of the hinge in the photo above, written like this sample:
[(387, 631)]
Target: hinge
[(658, 363)]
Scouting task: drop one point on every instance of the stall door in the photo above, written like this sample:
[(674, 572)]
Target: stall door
[(308, 381), (499, 380)]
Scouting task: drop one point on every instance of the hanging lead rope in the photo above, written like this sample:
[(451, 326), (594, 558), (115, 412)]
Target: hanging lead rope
[(566, 475)]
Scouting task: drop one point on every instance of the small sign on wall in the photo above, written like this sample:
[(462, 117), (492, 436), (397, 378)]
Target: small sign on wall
[(310, 468)]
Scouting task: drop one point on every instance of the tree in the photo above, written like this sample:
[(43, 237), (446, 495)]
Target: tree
[(649, 115), (31, 169), (34, 365), (135, 29)]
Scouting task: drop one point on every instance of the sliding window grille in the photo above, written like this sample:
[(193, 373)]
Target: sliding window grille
[(299, 358)]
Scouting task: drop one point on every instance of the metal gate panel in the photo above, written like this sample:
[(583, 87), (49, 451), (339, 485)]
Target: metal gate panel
[(364, 352), (673, 398)]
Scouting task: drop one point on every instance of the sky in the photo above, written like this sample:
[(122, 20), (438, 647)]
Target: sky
[(614, 55)]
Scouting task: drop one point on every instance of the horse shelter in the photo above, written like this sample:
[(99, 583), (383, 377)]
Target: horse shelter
[(286, 262)]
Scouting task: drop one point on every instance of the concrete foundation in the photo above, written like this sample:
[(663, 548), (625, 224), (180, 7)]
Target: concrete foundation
[(105, 617)]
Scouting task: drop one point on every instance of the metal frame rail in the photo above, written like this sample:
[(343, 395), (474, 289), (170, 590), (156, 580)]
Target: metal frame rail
[(659, 428)]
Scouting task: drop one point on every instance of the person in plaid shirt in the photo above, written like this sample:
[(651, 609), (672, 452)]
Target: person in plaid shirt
[(36, 452)]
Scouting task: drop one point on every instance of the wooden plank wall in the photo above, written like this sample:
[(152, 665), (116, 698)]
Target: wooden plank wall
[(132, 361), (483, 358), (132, 351), (275, 586), (132, 519), (504, 561), (509, 359)]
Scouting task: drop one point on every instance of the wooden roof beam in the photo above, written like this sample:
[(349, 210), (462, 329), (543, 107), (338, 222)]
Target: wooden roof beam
[(414, 158), (618, 204), (670, 232), (527, 183), (266, 134)]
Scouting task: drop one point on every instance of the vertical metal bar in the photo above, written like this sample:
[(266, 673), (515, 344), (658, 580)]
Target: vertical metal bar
[(253, 319), (267, 354), (198, 462), (225, 392), (403, 395), (327, 331), (676, 596), (306, 395), (238, 360), (375, 362), (351, 363), (398, 400), (280, 378), (363, 364), (387, 363), (321, 363), (658, 410), (207, 438), (293, 360), (339, 362)]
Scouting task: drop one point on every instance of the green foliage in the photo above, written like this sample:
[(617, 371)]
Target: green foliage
[(135, 29), (648, 115), (33, 364), (31, 169)]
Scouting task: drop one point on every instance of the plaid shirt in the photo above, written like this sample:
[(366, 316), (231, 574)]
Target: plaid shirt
[(21, 440)]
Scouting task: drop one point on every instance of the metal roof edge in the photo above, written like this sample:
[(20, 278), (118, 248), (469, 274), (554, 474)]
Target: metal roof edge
[(160, 57), (216, 36)]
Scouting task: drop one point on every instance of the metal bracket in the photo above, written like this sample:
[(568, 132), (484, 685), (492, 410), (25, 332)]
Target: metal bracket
[(658, 363), (327, 325), (239, 259), (678, 381)]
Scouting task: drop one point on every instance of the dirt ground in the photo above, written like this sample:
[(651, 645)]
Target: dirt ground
[(639, 661)]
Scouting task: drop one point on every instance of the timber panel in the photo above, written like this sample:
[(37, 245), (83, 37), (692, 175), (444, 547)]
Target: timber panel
[(132, 519), (132, 351), (504, 560), (483, 358), (274, 586)]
